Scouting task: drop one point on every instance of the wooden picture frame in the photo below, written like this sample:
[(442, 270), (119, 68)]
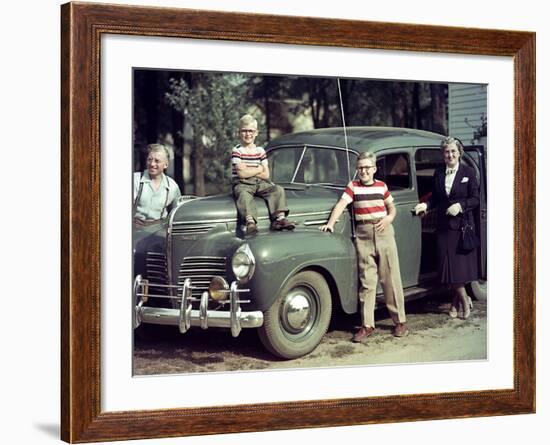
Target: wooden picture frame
[(82, 419)]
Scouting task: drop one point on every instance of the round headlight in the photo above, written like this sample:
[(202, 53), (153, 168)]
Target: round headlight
[(243, 263), (217, 288)]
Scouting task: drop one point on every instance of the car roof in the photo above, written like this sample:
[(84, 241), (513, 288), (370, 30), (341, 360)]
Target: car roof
[(361, 138)]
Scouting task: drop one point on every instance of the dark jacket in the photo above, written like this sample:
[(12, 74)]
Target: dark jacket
[(465, 191)]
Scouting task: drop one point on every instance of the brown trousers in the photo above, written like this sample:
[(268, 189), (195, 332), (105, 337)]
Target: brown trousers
[(245, 190), (377, 259)]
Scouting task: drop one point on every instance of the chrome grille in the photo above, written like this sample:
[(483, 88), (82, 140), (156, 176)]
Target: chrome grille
[(157, 271), (201, 270), (185, 228)]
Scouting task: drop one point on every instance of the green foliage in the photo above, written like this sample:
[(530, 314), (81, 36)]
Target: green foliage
[(212, 104), (479, 130)]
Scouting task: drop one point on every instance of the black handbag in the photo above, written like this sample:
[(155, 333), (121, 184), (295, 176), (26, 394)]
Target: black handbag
[(468, 238)]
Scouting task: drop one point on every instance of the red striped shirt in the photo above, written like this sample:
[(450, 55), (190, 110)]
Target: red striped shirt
[(250, 158), (369, 201)]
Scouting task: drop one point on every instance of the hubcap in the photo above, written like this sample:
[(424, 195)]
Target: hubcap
[(296, 312)]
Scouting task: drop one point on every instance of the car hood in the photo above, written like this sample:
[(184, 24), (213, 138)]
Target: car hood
[(221, 208), (152, 237)]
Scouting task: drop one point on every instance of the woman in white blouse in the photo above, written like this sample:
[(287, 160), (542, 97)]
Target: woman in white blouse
[(454, 196)]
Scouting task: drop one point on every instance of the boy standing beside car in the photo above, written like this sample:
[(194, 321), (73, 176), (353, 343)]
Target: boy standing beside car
[(375, 244), (251, 178)]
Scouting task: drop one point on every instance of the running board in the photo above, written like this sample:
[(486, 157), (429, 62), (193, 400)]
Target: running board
[(415, 292), (412, 293)]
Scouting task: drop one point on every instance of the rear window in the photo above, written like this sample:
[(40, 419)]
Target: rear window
[(395, 170)]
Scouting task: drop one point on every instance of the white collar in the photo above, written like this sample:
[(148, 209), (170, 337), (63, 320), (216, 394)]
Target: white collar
[(163, 182), (450, 171)]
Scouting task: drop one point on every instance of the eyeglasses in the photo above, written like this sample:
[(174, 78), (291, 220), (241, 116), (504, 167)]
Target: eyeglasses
[(154, 160), (246, 131), (365, 167)]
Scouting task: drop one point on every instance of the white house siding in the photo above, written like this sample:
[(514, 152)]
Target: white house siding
[(466, 101)]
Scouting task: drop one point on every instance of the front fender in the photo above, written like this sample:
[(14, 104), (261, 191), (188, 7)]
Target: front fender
[(280, 255)]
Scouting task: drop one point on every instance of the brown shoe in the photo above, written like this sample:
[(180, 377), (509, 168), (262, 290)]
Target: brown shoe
[(282, 224), (251, 228), (400, 330), (362, 334)]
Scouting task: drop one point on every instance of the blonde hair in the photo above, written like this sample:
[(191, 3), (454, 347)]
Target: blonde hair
[(248, 120), (367, 155)]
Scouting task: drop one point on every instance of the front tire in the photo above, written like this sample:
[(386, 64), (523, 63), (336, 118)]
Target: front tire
[(299, 318)]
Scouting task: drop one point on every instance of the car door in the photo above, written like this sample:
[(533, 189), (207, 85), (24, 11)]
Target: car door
[(394, 168), (475, 157)]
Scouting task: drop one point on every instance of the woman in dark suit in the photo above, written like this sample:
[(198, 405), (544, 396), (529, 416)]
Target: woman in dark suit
[(454, 197)]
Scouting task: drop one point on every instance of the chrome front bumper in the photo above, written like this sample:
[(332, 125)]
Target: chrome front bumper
[(184, 317)]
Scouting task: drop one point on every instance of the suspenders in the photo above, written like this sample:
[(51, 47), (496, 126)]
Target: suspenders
[(165, 202), (140, 190), (138, 196)]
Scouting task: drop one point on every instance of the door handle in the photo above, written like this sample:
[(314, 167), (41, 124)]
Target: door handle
[(414, 213)]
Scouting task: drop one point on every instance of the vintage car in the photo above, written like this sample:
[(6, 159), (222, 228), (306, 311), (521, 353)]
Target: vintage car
[(199, 269)]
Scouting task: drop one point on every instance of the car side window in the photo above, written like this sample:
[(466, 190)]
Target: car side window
[(395, 170), (427, 160)]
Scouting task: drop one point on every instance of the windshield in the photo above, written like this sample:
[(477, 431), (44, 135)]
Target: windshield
[(310, 165)]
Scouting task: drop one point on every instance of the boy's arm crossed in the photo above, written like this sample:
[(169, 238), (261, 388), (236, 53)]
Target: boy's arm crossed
[(264, 173), (248, 171)]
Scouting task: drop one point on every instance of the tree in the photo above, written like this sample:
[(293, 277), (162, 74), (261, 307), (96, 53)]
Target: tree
[(439, 93), (277, 99), (323, 101), (154, 120), (211, 104)]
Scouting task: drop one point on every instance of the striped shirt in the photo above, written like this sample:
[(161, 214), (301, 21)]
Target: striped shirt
[(251, 158), (369, 201)]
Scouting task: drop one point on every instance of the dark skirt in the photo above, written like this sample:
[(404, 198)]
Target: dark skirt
[(456, 266)]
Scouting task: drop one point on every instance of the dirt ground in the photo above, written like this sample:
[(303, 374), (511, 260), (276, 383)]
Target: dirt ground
[(434, 337)]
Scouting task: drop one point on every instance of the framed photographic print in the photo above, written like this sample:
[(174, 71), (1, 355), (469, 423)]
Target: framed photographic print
[(195, 116), (180, 80)]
